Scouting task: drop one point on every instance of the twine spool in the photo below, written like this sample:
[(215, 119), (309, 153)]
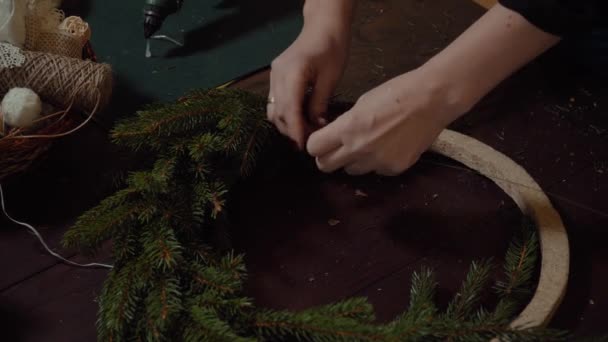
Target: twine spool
[(61, 81)]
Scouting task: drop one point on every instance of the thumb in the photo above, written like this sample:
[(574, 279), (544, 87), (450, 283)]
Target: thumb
[(319, 100)]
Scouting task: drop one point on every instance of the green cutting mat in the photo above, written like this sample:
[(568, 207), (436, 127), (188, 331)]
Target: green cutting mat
[(224, 39)]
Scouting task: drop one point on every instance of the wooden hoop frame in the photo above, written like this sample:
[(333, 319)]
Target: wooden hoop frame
[(533, 202)]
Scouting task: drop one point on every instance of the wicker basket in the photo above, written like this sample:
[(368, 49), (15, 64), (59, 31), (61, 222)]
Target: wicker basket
[(20, 149)]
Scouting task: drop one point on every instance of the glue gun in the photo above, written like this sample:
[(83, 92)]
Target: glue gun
[(155, 13)]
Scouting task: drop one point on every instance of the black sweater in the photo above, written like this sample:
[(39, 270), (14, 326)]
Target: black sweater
[(562, 17)]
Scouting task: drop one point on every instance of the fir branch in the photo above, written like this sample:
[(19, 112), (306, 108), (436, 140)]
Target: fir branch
[(121, 297), (231, 128), (201, 253), (160, 246), (213, 299), (422, 293), (216, 278), (234, 264), (358, 309), (200, 200), (415, 322), (155, 181), (207, 326), (200, 170), (178, 146), (475, 332), (465, 301), (254, 144), (126, 245), (520, 261), (505, 309), (151, 129), (202, 146), (206, 196), (196, 113), (99, 224), (519, 266), (313, 325), (163, 305)]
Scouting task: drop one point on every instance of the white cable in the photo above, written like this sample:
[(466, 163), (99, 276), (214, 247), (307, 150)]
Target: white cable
[(49, 250)]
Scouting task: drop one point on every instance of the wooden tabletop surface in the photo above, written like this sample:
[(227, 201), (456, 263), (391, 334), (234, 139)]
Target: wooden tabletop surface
[(550, 121)]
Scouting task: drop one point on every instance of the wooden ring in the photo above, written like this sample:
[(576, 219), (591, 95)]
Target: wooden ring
[(533, 202)]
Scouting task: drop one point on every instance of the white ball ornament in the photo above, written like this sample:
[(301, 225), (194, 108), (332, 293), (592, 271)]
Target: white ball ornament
[(21, 107)]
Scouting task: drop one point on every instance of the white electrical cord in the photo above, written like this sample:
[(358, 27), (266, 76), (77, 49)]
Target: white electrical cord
[(49, 250)]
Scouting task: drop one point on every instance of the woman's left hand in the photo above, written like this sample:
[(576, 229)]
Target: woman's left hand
[(388, 128)]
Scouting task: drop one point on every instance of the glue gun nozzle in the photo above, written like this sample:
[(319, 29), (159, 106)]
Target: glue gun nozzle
[(148, 31), (150, 27)]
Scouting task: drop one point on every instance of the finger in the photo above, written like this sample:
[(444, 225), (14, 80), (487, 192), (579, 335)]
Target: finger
[(359, 168), (288, 91), (327, 138), (295, 127), (279, 123), (271, 112), (270, 108), (319, 100), (273, 117), (334, 160), (289, 100)]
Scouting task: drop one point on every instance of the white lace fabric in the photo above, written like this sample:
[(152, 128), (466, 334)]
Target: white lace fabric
[(10, 56)]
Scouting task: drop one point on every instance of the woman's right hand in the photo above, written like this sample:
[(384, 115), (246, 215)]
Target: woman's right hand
[(315, 61)]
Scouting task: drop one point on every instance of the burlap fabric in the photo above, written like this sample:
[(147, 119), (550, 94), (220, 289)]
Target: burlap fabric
[(55, 41)]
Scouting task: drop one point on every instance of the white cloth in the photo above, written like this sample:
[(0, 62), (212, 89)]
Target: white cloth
[(12, 21)]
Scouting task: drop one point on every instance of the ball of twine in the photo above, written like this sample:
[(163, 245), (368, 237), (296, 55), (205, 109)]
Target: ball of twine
[(76, 27), (61, 81)]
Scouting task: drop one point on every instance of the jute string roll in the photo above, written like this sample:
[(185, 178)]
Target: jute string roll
[(62, 81)]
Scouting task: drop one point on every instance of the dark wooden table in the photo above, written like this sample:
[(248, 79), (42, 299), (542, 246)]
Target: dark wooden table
[(551, 122)]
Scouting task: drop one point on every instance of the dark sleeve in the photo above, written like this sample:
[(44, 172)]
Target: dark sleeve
[(561, 17)]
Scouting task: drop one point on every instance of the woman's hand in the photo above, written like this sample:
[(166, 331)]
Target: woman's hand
[(316, 61), (388, 128), (391, 126)]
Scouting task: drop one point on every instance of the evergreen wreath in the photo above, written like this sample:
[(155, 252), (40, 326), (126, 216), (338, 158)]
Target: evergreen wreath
[(172, 283)]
